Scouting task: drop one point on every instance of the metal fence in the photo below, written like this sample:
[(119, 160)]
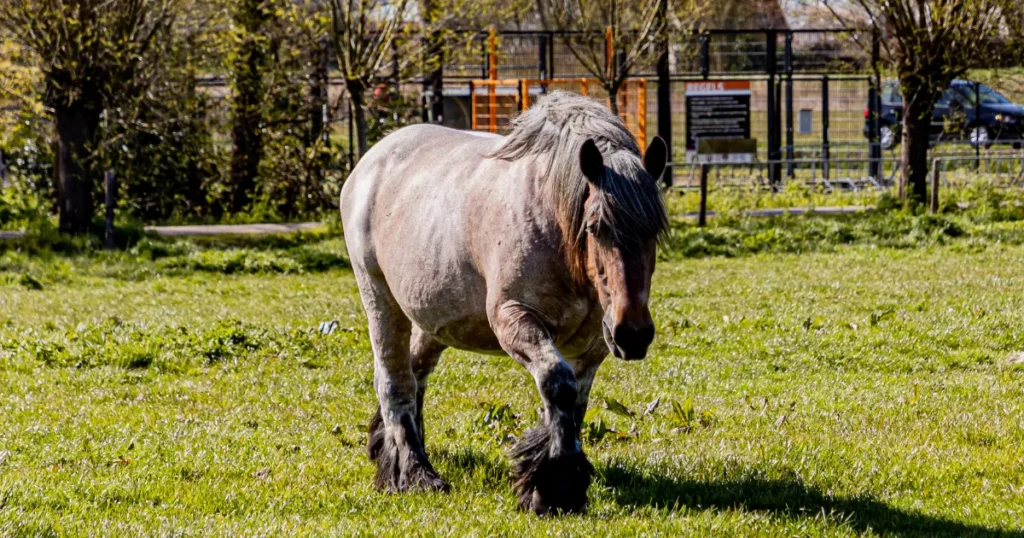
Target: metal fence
[(814, 96)]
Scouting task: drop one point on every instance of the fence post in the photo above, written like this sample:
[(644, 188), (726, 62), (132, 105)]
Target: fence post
[(665, 94), (351, 135), (934, 205), (977, 125), (702, 211), (790, 151), (437, 51), (875, 110), (551, 55), (472, 106), (542, 56), (704, 55), (824, 128), (774, 142), (641, 114), (110, 191), (485, 59), (492, 88), (3, 171)]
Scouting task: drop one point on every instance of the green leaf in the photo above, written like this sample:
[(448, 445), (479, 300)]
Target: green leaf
[(616, 407)]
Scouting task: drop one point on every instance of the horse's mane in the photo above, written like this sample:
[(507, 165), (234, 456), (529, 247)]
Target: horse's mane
[(556, 127)]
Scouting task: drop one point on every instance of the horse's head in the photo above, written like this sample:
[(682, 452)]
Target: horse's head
[(623, 217)]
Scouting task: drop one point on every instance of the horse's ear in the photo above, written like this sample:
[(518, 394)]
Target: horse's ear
[(656, 157), (591, 161)]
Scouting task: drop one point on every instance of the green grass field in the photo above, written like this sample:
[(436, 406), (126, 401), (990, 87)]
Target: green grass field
[(178, 390)]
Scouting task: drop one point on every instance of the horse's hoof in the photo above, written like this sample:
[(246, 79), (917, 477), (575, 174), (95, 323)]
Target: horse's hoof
[(417, 477), (550, 484), (409, 471), (422, 479)]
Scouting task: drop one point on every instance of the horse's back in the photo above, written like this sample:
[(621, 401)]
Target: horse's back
[(405, 170), (408, 211)]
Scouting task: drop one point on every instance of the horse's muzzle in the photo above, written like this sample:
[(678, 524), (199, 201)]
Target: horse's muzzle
[(628, 342)]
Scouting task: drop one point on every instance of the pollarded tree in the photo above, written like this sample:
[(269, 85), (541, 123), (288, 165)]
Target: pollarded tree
[(929, 43), (250, 63), (94, 55), (369, 36), (636, 29)]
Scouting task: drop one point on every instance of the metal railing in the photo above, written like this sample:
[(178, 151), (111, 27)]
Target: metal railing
[(999, 170)]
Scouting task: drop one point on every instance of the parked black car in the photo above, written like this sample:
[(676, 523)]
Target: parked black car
[(958, 115)]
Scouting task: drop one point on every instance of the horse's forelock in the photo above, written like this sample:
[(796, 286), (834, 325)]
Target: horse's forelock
[(632, 209)]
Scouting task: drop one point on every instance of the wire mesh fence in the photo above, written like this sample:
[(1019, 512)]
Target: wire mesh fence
[(811, 94)]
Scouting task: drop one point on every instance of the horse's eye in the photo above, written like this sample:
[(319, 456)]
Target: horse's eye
[(591, 228)]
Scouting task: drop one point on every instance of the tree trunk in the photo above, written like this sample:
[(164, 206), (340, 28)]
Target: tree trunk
[(246, 154), (917, 119), (76, 131), (248, 114), (317, 92), (357, 94), (613, 99)]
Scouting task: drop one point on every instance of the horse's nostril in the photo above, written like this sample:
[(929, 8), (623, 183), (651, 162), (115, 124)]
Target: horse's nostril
[(646, 334), (634, 339)]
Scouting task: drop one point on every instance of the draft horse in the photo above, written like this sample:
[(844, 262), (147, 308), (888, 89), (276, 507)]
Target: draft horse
[(540, 245)]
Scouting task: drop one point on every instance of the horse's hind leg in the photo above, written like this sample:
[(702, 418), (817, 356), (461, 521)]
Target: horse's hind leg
[(552, 473), (424, 352), (395, 441)]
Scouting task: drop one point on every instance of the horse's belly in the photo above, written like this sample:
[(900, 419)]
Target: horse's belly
[(469, 334), (448, 303)]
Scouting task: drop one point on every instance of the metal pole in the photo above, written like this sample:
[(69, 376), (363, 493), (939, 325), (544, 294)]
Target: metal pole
[(934, 205), (977, 125), (110, 191), (351, 142), (492, 88), (542, 57), (774, 153), (551, 55), (875, 110), (325, 118), (665, 96), (704, 53), (437, 78), (3, 171), (472, 106), (824, 128), (702, 212), (486, 61), (789, 104)]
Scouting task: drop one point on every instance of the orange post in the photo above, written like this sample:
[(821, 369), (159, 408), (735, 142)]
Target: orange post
[(641, 114), (525, 85), (583, 87), (492, 91)]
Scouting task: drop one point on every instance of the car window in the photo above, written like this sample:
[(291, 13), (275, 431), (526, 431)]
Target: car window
[(947, 97), (891, 94), (989, 96)]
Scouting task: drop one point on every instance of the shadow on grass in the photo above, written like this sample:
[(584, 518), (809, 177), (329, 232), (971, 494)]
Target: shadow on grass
[(486, 470), (783, 498)]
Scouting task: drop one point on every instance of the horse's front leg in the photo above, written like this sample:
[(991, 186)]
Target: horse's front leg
[(552, 473), (585, 368)]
